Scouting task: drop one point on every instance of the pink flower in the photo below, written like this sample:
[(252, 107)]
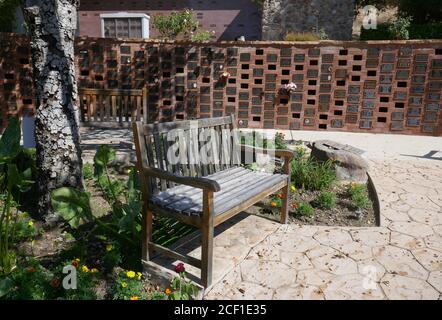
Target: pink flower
[(180, 267)]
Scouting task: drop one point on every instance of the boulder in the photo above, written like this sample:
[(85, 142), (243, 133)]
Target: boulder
[(349, 165)]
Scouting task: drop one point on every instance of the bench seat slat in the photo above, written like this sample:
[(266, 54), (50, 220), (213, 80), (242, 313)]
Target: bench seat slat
[(234, 190)]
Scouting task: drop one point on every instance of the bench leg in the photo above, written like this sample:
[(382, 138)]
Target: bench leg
[(285, 204), (207, 231), (207, 255), (146, 253)]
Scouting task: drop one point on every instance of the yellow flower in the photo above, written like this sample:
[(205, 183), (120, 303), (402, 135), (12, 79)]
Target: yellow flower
[(94, 270), (109, 247), (130, 274), (30, 223), (123, 284), (139, 275), (85, 269), (134, 298), (168, 291), (77, 259), (293, 188)]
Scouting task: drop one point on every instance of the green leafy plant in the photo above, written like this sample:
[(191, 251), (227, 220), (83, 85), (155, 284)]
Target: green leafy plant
[(14, 181), (181, 288), (129, 286), (178, 23), (202, 35), (325, 200), (88, 171), (304, 209), (399, 28), (312, 175), (280, 141), (358, 195)]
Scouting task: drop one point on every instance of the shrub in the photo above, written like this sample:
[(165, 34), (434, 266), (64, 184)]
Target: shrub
[(399, 28), (175, 24), (304, 209), (302, 36), (312, 175), (358, 195), (325, 200), (280, 141), (202, 35)]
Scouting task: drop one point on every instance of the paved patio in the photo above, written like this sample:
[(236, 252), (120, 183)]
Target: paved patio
[(402, 259)]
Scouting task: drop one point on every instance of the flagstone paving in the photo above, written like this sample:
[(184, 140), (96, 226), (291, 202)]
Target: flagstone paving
[(401, 259)]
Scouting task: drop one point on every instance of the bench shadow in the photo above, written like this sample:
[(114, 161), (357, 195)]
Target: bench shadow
[(429, 155)]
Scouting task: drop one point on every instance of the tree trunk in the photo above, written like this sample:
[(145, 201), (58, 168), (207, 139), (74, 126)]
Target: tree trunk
[(52, 26)]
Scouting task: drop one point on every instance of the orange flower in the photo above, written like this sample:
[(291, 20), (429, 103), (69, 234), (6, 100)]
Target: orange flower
[(280, 196), (55, 283), (273, 204), (294, 205), (30, 269), (168, 291)]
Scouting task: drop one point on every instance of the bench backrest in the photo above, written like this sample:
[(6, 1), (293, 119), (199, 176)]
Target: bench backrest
[(180, 147), (112, 105)]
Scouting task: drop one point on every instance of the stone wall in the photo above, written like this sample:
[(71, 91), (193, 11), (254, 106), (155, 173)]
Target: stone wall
[(378, 87), (335, 17)]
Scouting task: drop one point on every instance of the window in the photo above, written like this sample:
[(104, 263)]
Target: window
[(125, 25)]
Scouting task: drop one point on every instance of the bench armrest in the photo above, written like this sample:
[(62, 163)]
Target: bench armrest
[(196, 182), (288, 155)]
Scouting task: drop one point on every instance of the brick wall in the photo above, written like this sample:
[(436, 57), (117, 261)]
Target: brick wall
[(379, 87)]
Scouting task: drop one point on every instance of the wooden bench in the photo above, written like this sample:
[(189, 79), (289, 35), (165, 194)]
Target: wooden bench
[(112, 107), (201, 194)]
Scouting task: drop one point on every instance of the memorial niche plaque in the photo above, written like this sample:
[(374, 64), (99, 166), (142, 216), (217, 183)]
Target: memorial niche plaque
[(323, 107), (312, 73), (297, 96), (256, 100), (218, 95), (369, 94), (218, 105), (414, 112), (256, 110), (415, 101), (285, 62), (402, 74), (283, 110), (353, 99), (351, 118), (397, 125), (365, 124), (269, 125), (281, 121), (295, 125), (296, 107), (433, 96), (337, 123), (299, 57), (384, 89), (286, 52), (298, 77), (271, 57), (327, 58), (396, 116), (400, 95), (340, 94), (341, 73), (326, 78), (418, 79), (270, 86), (309, 122), (368, 104), (437, 63), (421, 57), (309, 112), (430, 116), (420, 68), (325, 87), (326, 68), (373, 52), (387, 68), (371, 63), (258, 72), (436, 74), (417, 90), (387, 79), (354, 89), (353, 108), (435, 86), (428, 128), (403, 63), (388, 57), (405, 52), (370, 84), (413, 122), (314, 52), (432, 107), (367, 114)]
